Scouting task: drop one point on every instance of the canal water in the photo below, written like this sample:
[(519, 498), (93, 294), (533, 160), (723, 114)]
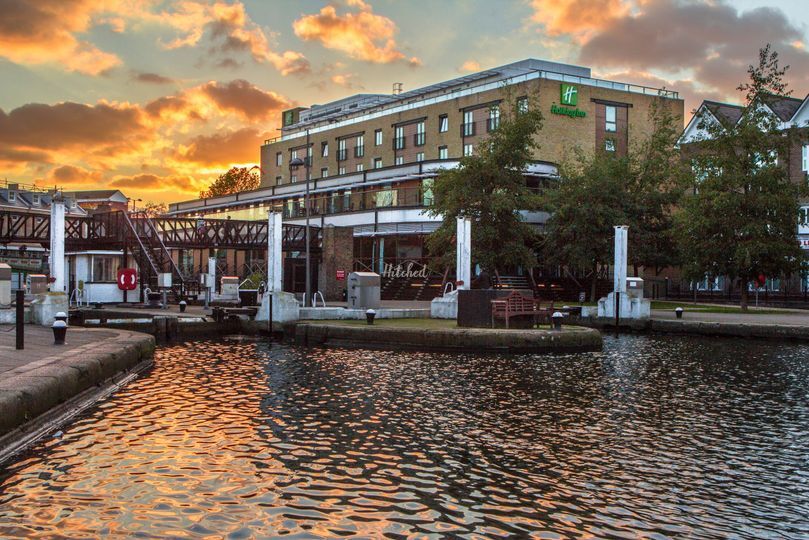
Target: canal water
[(658, 437)]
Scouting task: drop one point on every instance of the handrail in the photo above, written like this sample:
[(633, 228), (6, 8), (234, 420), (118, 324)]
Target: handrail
[(449, 285), (163, 247), (140, 243), (314, 299)]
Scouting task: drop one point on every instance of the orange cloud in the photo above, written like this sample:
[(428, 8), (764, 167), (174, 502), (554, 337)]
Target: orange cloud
[(247, 100), (70, 175), (222, 149), (469, 66), (44, 32), (152, 182), (363, 35), (71, 125), (230, 28), (578, 18)]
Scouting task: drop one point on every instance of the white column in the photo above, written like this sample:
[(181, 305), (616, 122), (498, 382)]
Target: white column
[(619, 267), (57, 232), (463, 253), (275, 254), (212, 272)]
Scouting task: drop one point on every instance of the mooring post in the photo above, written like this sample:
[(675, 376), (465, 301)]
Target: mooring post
[(20, 319)]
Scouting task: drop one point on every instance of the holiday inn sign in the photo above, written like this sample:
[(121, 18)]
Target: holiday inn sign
[(568, 95)]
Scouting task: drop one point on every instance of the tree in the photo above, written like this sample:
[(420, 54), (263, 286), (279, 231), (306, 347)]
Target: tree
[(489, 188), (586, 203), (654, 185), (600, 190), (741, 220), (154, 209), (237, 179)]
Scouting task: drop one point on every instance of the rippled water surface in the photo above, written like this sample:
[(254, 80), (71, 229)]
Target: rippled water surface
[(655, 437)]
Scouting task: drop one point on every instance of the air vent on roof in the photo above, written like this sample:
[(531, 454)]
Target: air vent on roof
[(397, 88)]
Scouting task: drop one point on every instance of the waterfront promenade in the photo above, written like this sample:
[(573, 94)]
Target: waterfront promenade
[(44, 381)]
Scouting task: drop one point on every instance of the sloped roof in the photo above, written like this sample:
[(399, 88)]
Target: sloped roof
[(94, 194), (784, 107), (726, 113)]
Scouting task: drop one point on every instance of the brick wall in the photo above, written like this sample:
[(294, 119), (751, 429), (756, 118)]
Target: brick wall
[(338, 254)]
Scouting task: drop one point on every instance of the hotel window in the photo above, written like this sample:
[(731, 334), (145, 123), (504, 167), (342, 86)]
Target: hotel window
[(468, 127), (359, 149), (522, 104), (293, 178), (611, 126), (399, 138), (279, 159), (609, 145), (324, 149), (341, 170), (341, 150), (279, 180), (443, 123), (805, 158), (324, 172), (419, 138), (399, 160), (442, 152), (468, 149), (378, 137), (294, 154), (420, 156), (377, 163), (105, 268), (360, 167), (494, 118)]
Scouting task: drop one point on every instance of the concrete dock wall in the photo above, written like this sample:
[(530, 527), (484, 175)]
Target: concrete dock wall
[(570, 339), (42, 384)]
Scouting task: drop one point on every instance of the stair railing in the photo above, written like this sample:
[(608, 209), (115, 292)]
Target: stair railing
[(165, 251), (314, 299), (448, 285)]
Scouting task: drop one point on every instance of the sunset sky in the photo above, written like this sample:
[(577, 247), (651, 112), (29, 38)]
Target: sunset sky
[(156, 98)]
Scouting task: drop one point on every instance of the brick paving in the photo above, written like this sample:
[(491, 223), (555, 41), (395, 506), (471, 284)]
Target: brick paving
[(39, 348)]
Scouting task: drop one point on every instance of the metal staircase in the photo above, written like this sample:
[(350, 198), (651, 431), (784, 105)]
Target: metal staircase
[(149, 251)]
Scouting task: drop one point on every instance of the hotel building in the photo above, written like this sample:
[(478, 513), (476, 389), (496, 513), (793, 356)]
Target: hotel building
[(372, 158)]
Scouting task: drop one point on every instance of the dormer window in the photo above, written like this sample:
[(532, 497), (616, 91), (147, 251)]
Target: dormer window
[(12, 197), (36, 199)]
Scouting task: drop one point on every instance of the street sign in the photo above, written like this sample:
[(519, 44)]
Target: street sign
[(340, 275), (127, 279)]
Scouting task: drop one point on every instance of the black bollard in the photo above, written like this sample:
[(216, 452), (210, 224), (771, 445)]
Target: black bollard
[(20, 320), (369, 316), (59, 332)]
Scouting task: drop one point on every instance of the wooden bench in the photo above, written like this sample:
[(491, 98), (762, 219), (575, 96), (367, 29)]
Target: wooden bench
[(515, 304)]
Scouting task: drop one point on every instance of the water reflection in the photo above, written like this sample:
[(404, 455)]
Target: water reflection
[(658, 437)]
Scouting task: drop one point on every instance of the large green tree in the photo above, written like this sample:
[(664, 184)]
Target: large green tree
[(585, 204), (235, 180), (489, 188), (653, 187), (741, 219), (599, 190)]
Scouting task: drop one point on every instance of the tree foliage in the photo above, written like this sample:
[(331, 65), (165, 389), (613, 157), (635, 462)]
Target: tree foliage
[(586, 203), (597, 191), (235, 180), (154, 209), (740, 222), (489, 188)]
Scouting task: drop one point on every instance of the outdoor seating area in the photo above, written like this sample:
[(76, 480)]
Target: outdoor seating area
[(519, 305)]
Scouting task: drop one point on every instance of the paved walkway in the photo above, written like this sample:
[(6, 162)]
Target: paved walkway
[(785, 318), (39, 348), (43, 375)]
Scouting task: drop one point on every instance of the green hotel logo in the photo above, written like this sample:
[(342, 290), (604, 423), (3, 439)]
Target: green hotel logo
[(569, 94)]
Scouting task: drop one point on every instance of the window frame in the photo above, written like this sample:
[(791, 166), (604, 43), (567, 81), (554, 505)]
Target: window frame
[(610, 126)]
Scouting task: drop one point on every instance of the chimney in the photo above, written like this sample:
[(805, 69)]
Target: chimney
[(397, 88)]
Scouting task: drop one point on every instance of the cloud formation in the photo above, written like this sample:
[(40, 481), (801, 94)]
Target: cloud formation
[(220, 149), (578, 18), (245, 99), (361, 34), (45, 32)]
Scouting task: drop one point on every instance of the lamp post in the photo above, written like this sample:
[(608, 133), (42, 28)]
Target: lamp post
[(134, 204), (297, 162)]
